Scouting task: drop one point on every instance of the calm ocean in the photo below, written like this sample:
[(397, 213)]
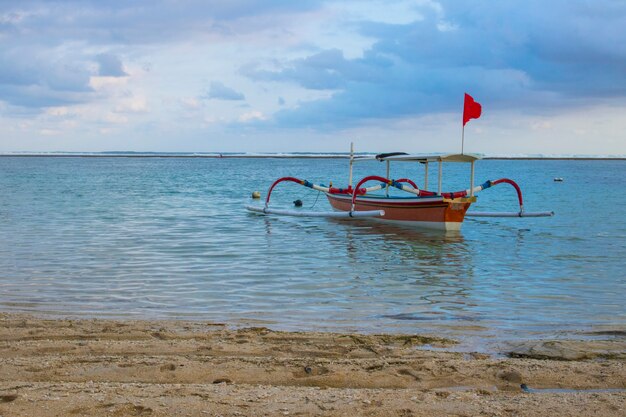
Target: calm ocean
[(169, 238)]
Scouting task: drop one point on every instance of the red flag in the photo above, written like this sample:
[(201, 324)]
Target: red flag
[(471, 109)]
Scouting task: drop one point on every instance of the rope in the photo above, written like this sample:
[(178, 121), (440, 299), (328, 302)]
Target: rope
[(315, 202)]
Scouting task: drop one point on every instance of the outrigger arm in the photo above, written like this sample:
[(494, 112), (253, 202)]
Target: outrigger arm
[(520, 213), (298, 213)]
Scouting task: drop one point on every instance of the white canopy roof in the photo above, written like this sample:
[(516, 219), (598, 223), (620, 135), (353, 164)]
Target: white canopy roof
[(467, 157)]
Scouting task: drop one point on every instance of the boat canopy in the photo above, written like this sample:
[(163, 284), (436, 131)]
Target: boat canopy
[(400, 156), (423, 159)]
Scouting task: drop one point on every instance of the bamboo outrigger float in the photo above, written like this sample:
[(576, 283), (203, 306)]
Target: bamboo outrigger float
[(425, 209)]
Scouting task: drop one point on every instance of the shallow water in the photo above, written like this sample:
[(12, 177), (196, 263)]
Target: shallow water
[(169, 238)]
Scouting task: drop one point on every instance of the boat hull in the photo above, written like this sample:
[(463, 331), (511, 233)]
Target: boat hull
[(423, 212)]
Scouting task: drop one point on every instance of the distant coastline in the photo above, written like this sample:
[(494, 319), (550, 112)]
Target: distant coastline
[(294, 155)]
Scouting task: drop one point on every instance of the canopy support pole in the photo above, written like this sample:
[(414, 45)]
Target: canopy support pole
[(472, 179), (351, 162), (440, 177), (387, 188)]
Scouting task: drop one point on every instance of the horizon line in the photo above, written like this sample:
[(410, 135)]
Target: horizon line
[(282, 155)]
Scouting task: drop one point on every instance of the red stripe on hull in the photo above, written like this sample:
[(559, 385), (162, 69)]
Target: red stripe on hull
[(438, 211)]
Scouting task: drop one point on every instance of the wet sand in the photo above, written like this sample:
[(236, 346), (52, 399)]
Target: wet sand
[(62, 367)]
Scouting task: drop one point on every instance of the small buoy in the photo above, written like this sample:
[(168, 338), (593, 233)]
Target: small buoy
[(256, 194), (297, 203), (558, 179)]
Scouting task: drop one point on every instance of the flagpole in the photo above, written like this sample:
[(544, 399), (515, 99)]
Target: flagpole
[(471, 110), (462, 139)]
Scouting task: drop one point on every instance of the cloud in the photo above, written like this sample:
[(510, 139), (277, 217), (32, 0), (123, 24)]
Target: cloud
[(37, 77), (110, 66), (132, 105), (137, 22), (219, 91), (47, 47), (565, 55), (326, 70), (190, 103), (251, 116)]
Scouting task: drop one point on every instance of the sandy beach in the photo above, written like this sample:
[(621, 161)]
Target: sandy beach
[(62, 367)]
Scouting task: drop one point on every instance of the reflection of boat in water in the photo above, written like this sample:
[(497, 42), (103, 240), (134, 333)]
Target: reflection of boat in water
[(423, 208), (403, 245)]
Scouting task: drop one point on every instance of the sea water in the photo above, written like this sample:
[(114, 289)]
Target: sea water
[(170, 238)]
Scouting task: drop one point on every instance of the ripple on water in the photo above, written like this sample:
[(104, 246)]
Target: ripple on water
[(163, 238)]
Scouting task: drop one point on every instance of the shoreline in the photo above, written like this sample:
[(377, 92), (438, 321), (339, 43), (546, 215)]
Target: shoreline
[(165, 367)]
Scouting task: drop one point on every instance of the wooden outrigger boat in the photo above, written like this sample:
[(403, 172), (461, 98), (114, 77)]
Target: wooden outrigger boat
[(424, 209)]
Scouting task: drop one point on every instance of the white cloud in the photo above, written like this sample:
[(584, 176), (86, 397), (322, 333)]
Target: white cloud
[(115, 118), (104, 82), (57, 111), (49, 132), (190, 103), (251, 116), (132, 105), (541, 125)]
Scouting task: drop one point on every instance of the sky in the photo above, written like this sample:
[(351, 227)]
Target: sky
[(313, 76)]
